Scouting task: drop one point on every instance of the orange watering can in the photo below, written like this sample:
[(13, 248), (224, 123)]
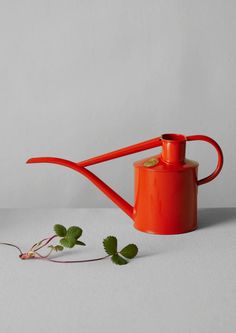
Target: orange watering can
[(166, 185)]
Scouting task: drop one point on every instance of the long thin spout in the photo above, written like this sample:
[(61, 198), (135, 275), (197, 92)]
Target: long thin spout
[(152, 143), (107, 190)]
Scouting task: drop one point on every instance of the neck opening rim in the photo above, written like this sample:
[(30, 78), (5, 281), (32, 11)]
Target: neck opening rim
[(172, 137), (173, 148)]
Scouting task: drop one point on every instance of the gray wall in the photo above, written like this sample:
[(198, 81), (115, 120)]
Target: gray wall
[(79, 78)]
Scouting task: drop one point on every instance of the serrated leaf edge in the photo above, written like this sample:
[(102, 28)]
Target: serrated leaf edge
[(104, 246), (127, 246), (60, 225), (71, 235)]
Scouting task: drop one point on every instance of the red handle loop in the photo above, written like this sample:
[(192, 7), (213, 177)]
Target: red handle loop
[(220, 157)]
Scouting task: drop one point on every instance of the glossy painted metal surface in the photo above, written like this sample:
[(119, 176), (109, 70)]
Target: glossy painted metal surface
[(166, 185)]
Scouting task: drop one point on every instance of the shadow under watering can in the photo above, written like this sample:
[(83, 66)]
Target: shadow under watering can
[(166, 185)]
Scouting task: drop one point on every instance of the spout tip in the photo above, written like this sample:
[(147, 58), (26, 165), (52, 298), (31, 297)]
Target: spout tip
[(54, 160), (30, 160), (34, 160)]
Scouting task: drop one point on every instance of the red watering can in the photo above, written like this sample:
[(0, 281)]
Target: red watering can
[(166, 184)]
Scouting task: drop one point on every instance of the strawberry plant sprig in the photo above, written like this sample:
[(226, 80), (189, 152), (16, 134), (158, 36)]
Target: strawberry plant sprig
[(68, 238)]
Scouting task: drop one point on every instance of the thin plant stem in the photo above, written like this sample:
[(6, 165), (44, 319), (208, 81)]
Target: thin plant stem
[(41, 257), (38, 243), (71, 261), (49, 239), (9, 244)]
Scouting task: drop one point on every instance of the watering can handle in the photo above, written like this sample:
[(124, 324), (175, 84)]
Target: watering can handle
[(220, 157)]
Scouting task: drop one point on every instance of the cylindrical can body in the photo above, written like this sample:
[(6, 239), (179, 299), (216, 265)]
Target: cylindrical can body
[(165, 197)]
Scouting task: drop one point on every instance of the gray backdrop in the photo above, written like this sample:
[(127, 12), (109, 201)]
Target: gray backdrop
[(79, 78)]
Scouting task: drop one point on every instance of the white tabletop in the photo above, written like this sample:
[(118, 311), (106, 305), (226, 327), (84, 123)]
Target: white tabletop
[(181, 283)]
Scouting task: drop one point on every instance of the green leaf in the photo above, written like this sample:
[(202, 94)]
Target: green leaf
[(56, 248), (60, 230), (118, 260), (68, 242), (110, 245), (129, 251), (80, 243), (74, 232)]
